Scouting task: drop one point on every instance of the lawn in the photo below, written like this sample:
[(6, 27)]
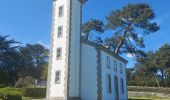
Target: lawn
[(29, 98), (147, 98), (26, 93)]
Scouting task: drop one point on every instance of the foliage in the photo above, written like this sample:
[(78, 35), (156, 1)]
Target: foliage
[(44, 72), (27, 81), (34, 57), (129, 25), (4, 77), (17, 93), (138, 78), (83, 1), (152, 70), (20, 61), (34, 92), (10, 94), (92, 25), (9, 57), (162, 62)]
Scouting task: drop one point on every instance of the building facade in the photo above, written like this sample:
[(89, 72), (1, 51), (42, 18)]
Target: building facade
[(103, 75), (79, 69)]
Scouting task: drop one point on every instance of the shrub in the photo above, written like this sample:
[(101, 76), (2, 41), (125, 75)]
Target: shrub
[(10, 94), (149, 89), (27, 81), (4, 77), (34, 92)]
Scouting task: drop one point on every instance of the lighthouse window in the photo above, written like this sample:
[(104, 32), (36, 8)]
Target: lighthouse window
[(59, 53), (61, 11), (57, 79), (60, 31)]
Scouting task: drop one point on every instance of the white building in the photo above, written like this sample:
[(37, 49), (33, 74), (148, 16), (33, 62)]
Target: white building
[(79, 69)]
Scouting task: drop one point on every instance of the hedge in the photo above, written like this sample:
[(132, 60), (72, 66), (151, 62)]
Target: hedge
[(33, 92), (10, 94), (149, 89)]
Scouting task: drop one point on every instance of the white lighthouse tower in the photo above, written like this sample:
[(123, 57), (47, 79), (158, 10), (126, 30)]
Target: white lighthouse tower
[(64, 68)]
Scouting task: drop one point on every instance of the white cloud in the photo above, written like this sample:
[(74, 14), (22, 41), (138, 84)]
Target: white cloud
[(129, 55)]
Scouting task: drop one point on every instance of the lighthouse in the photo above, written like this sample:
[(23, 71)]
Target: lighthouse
[(64, 67)]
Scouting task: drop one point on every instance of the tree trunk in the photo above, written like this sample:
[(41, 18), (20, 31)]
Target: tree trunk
[(118, 46), (157, 81), (122, 40)]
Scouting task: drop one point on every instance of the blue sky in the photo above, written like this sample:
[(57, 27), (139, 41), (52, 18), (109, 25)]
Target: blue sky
[(29, 21)]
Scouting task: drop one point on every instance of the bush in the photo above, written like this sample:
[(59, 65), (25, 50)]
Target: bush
[(27, 81), (34, 92), (10, 94), (149, 89), (4, 77)]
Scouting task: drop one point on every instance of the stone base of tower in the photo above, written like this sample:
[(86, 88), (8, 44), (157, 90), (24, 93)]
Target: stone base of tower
[(56, 98), (74, 98)]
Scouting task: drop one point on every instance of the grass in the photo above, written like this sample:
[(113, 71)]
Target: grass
[(17, 92), (147, 98), (30, 98)]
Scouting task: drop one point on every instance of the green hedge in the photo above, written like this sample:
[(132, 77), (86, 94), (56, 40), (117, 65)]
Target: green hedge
[(10, 94), (149, 89), (34, 92)]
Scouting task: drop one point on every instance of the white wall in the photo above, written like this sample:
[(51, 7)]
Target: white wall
[(73, 54), (105, 71), (75, 49), (88, 72), (57, 90)]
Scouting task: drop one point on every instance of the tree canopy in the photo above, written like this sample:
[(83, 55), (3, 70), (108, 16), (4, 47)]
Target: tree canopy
[(92, 25), (128, 25), (9, 57), (21, 61), (34, 57), (154, 67)]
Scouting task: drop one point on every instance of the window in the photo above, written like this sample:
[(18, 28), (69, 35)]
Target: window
[(59, 53), (121, 68), (116, 86), (60, 31), (122, 86), (57, 77), (108, 80), (108, 62), (61, 11), (115, 65)]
